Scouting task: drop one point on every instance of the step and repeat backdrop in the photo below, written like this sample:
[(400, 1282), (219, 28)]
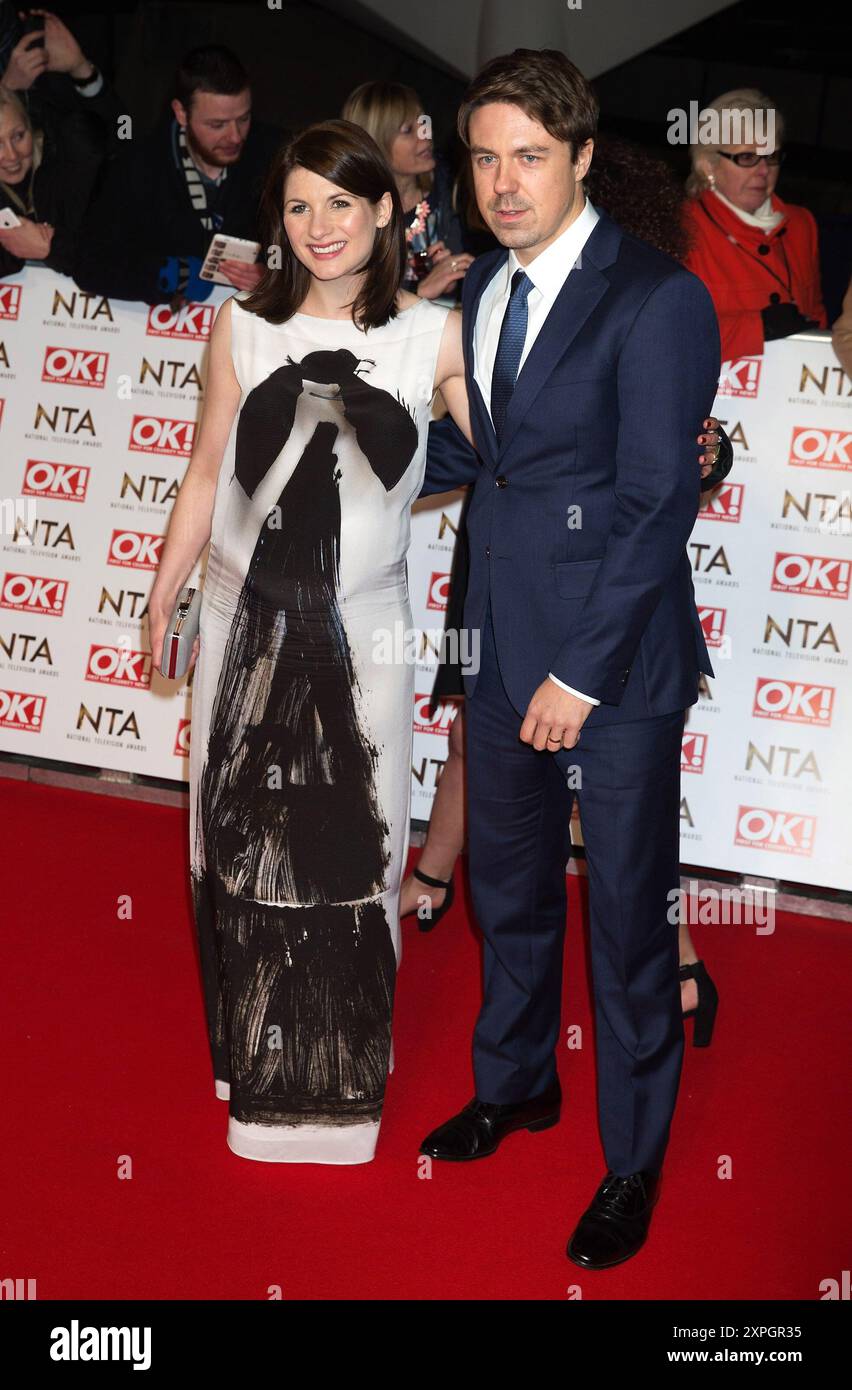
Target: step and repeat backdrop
[(98, 407)]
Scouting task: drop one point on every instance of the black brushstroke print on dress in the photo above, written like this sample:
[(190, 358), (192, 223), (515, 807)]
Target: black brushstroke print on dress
[(288, 797)]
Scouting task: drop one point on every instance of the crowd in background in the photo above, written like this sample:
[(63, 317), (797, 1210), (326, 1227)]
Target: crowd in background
[(133, 217)]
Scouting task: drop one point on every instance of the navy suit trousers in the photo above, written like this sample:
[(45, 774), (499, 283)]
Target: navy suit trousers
[(519, 805)]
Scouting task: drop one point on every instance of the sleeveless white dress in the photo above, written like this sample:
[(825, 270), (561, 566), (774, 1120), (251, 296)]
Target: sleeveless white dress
[(300, 750)]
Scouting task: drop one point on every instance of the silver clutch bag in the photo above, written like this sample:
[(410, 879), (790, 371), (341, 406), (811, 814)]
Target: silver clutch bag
[(180, 634)]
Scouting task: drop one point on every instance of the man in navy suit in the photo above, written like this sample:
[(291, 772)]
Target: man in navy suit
[(591, 360)]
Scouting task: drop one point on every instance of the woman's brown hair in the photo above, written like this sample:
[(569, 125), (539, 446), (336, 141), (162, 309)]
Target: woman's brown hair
[(546, 85), (348, 157), (640, 192)]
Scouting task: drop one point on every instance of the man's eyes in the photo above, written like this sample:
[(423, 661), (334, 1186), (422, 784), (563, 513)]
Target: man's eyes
[(484, 160)]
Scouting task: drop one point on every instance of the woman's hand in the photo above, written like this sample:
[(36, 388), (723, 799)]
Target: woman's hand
[(27, 61), (29, 242), (158, 621), (712, 439), (449, 269), (193, 656)]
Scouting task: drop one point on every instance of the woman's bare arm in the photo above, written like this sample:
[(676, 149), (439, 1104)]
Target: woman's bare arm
[(192, 514), (449, 373)]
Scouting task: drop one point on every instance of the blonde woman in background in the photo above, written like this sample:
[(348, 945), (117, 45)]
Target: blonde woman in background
[(51, 154), (393, 114)]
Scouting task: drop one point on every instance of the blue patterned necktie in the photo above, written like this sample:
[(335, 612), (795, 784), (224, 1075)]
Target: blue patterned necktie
[(513, 332)]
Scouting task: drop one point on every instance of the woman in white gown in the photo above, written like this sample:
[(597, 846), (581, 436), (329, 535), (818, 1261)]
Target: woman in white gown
[(310, 453)]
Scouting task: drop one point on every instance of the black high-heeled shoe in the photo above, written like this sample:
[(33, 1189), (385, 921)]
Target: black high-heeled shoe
[(427, 923), (708, 1002)]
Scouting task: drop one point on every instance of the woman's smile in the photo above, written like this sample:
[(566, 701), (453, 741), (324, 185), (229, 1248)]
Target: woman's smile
[(327, 251)]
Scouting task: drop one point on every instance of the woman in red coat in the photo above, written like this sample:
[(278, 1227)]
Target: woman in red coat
[(757, 255)]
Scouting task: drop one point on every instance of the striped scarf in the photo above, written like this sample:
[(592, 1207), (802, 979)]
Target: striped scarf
[(194, 182)]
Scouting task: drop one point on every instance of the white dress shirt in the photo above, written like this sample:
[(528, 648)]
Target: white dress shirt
[(548, 272)]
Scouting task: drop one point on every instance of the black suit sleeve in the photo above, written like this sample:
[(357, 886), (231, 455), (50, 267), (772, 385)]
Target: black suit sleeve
[(114, 256), (450, 460)]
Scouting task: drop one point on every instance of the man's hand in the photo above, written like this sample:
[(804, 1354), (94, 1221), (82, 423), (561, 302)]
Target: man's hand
[(554, 718), (242, 274), (64, 54), (29, 242)]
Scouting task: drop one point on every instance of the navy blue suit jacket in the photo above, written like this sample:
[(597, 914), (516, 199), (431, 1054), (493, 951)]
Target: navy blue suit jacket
[(604, 418)]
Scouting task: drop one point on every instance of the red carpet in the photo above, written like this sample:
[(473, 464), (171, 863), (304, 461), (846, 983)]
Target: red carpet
[(106, 1056)]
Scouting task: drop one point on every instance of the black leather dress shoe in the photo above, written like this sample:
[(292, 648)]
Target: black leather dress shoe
[(614, 1227), (477, 1130)]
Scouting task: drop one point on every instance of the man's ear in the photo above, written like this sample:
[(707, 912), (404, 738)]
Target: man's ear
[(180, 112), (384, 210), (584, 159)]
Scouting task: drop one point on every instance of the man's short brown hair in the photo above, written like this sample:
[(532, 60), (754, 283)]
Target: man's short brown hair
[(546, 85)]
